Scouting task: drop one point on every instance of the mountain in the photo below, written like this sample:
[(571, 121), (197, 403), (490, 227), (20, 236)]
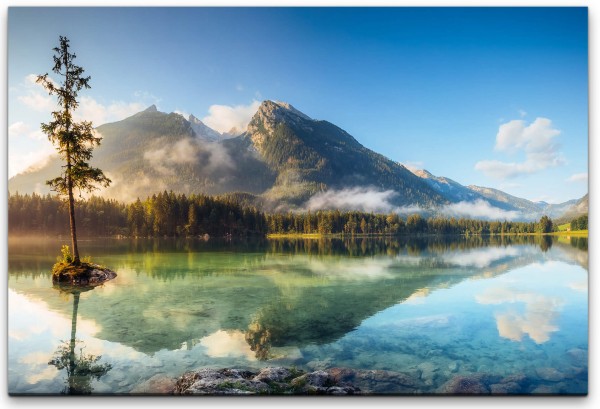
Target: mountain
[(528, 210), (448, 187), (310, 156), (497, 196), (283, 160), (284, 155), (202, 131), (527, 207), (153, 151), (579, 208)]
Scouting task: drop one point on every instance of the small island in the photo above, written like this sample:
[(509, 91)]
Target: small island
[(67, 272)]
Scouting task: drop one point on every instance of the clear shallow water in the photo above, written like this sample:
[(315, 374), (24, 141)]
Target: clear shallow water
[(432, 309)]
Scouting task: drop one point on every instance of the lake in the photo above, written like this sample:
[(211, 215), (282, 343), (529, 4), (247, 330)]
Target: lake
[(433, 309)]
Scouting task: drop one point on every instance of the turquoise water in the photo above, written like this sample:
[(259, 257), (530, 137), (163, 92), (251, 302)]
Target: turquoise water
[(432, 309)]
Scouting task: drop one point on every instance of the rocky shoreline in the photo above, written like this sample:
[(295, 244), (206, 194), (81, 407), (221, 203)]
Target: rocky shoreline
[(269, 381), (334, 381)]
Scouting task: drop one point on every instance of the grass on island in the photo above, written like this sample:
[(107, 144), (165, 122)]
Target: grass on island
[(64, 270)]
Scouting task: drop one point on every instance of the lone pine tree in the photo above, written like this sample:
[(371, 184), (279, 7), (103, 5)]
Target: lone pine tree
[(74, 141)]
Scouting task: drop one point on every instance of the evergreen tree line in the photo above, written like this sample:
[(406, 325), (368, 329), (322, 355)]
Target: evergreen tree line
[(355, 223), (165, 214), (49, 215), (580, 223), (176, 215)]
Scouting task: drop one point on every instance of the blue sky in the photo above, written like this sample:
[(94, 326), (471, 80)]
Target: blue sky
[(494, 97)]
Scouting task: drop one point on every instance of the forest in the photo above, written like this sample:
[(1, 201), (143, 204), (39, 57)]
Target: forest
[(176, 215)]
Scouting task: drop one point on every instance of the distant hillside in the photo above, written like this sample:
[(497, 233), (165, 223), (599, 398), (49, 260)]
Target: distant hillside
[(523, 205), (579, 208), (456, 192)]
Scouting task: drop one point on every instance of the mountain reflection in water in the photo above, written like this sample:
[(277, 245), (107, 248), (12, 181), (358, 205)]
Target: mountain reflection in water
[(256, 303)]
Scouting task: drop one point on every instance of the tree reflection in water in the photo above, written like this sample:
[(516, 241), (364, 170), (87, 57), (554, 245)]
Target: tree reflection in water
[(81, 368), (259, 339), (545, 243)]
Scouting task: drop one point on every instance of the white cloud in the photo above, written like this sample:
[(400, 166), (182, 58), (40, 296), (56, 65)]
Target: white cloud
[(181, 152), (522, 113), (188, 151), (479, 209), (31, 79), (20, 160), (538, 320), (36, 98), (536, 140), (222, 344), (91, 110), (223, 118), (578, 177), (363, 269), (30, 161), (368, 199), (534, 137), (410, 209), (18, 129), (38, 101), (481, 258), (28, 145), (182, 113), (357, 198), (580, 286)]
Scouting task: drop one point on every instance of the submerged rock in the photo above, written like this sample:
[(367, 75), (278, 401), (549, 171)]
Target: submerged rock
[(428, 373), (464, 385), (277, 374), (378, 381), (508, 388), (510, 385), (159, 384), (269, 381), (219, 382), (545, 390), (550, 374), (578, 356), (453, 366)]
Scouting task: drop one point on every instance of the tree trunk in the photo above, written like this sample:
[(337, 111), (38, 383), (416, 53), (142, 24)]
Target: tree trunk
[(72, 210), (73, 229), (71, 371), (69, 178)]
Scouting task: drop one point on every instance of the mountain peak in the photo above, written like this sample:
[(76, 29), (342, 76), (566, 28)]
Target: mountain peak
[(279, 108), (269, 115), (194, 120), (422, 173), (233, 132), (151, 108), (202, 130)]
